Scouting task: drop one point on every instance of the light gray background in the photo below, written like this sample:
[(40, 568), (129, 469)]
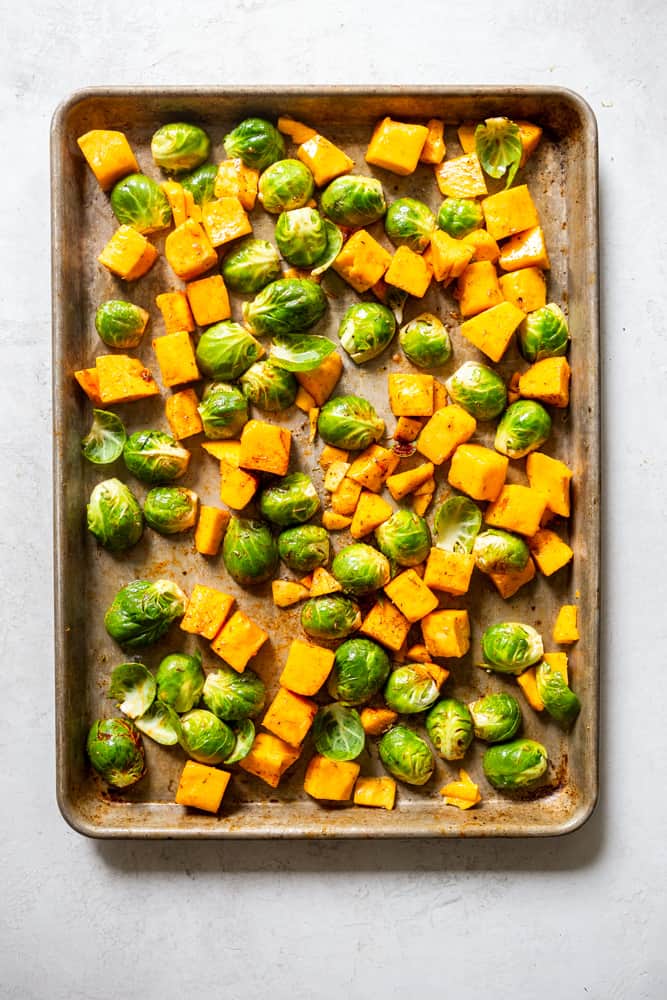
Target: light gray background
[(582, 916)]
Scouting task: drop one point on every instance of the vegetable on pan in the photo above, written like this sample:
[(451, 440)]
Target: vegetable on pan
[(406, 755), (249, 551), (155, 457), (425, 341), (289, 305), (304, 547), (142, 611), (170, 509), (331, 616), (269, 387), (361, 569), (180, 680), (523, 427), (255, 141), (410, 688), (405, 538), (104, 442), (226, 350), (180, 146), (223, 411), (114, 516), (496, 717), (360, 668), (139, 202), (116, 752), (133, 686), (349, 422), (233, 697), (250, 265), (410, 223), (478, 390), (354, 201), (514, 766), (120, 323), (338, 733), (292, 500), (285, 185), (205, 737), (511, 647), (449, 725), (366, 329)]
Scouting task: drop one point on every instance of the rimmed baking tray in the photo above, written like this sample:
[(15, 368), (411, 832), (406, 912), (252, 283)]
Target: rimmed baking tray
[(562, 176)]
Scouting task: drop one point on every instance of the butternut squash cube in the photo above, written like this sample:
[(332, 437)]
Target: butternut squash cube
[(265, 447), (269, 758), (175, 310), (525, 288), (238, 641), (321, 381), (547, 380), (128, 254), (372, 467), (530, 137), (396, 146), (225, 220), (202, 787), (480, 472), (122, 379), (323, 583), (237, 487), (410, 272), (438, 673), (407, 482), (290, 716), (445, 431), (492, 331), (176, 358), (335, 475), (385, 623), (446, 633), (235, 180), (330, 454), (527, 249), (478, 289), (426, 488), (483, 245), (407, 429), (109, 156), (508, 583), (517, 508), (206, 612), (434, 149), (378, 792), (377, 720), (466, 134), (510, 211), (211, 527), (89, 382), (175, 193), (421, 503), (285, 593), (209, 300), (527, 681), (324, 160), (549, 551), (461, 177), (307, 667), (370, 513), (558, 663), (419, 653), (230, 451), (304, 400), (464, 793), (440, 397), (448, 258), (297, 131), (189, 251), (449, 572), (552, 478), (411, 595), (335, 522), (362, 261), (565, 629), (411, 395), (332, 780), (182, 414), (345, 499)]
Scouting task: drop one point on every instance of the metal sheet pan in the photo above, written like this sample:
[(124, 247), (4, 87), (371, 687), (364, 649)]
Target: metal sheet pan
[(562, 176)]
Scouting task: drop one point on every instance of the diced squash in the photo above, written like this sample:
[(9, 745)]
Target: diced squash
[(175, 310), (407, 429), (346, 497), (313, 416), (527, 249), (517, 508), (235, 180), (237, 487), (565, 629), (466, 134), (371, 511), (547, 380), (210, 529), (362, 261), (420, 504), (206, 611), (323, 583), (89, 382), (109, 156), (527, 681), (440, 397), (492, 330), (269, 758), (530, 137), (549, 551), (324, 160), (447, 257), (192, 209), (438, 673), (411, 595), (513, 387), (449, 572), (403, 483), (461, 177), (525, 288), (304, 400), (552, 478), (265, 447), (396, 146), (176, 358), (335, 474), (385, 623), (426, 488), (321, 381), (297, 131), (558, 663), (446, 633), (449, 427), (330, 454), (480, 472), (238, 641), (122, 379), (410, 272), (478, 289), (377, 720), (209, 300), (373, 466), (483, 245), (128, 254), (189, 251), (285, 593), (201, 786), (182, 414), (290, 716), (378, 792), (230, 451), (509, 582), (225, 220), (175, 193), (420, 569), (419, 653), (411, 395), (335, 522), (331, 780), (510, 211), (434, 149), (464, 793), (307, 667)]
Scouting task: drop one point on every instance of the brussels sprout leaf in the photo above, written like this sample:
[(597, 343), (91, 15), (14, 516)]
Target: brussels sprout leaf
[(332, 249), (104, 442), (499, 148), (457, 524)]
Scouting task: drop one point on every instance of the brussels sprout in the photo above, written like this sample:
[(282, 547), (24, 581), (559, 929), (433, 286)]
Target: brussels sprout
[(523, 427), (155, 457), (250, 265), (120, 324), (170, 509), (560, 701), (301, 236), (289, 305), (133, 686), (114, 515), (226, 350), (304, 548), (285, 185), (233, 696), (180, 680), (201, 183), (244, 737), (116, 752), (457, 522), (499, 148), (459, 216), (330, 617), (223, 411), (249, 551), (405, 539), (410, 689), (366, 329), (496, 717), (205, 737), (510, 647), (516, 765), (142, 611), (105, 440), (544, 334), (425, 341), (161, 724), (409, 222), (332, 247), (361, 569), (497, 551), (406, 756), (354, 201), (338, 733), (291, 500), (255, 141), (269, 387), (360, 669), (478, 390), (450, 728), (300, 352), (349, 422), (139, 202), (180, 146)]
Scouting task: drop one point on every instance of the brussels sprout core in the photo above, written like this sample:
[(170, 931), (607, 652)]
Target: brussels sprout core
[(450, 728)]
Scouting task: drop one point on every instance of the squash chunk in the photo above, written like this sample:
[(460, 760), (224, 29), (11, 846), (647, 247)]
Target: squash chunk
[(237, 487), (324, 160), (464, 793), (411, 395), (321, 381), (547, 380), (345, 499), (238, 641), (235, 180), (549, 551), (189, 251), (478, 289), (491, 331), (483, 245), (407, 482), (304, 400), (517, 508), (372, 467), (206, 612), (410, 272), (434, 149), (422, 501), (297, 131), (128, 254), (335, 475), (449, 427), (552, 478), (377, 720), (378, 792), (411, 595), (269, 758), (211, 527), (307, 667), (208, 300), (386, 625), (526, 249), (323, 583), (466, 134), (122, 379), (330, 454), (332, 780), (461, 177), (109, 156), (447, 257), (290, 716), (176, 312), (565, 629), (525, 288), (182, 414), (446, 633), (449, 572), (396, 146), (407, 429), (176, 358), (508, 583), (335, 522), (175, 193), (508, 212), (527, 681), (530, 137), (201, 786), (285, 593), (371, 512), (480, 472), (225, 220), (89, 382), (362, 261), (265, 447), (229, 450)]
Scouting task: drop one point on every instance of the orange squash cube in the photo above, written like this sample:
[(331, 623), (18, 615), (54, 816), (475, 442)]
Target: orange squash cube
[(307, 667), (238, 641), (265, 447), (510, 211), (461, 177), (269, 758), (530, 138), (508, 583), (565, 628), (525, 288), (108, 155), (128, 254), (201, 786), (483, 245), (175, 193), (182, 414), (321, 381), (385, 623), (466, 134), (206, 612), (371, 511), (527, 249), (552, 478), (235, 180), (122, 379), (372, 467), (297, 131), (411, 395), (335, 522), (547, 380), (447, 257), (396, 146), (323, 583), (225, 220), (89, 382), (176, 358), (410, 272), (403, 483), (517, 508), (175, 311), (480, 472), (378, 792), (549, 551), (344, 500), (478, 288), (377, 720), (331, 780), (290, 716), (189, 251), (324, 160), (209, 300), (527, 681), (492, 330), (237, 487), (230, 451), (434, 149), (285, 593), (362, 261), (446, 633), (445, 431), (449, 572), (211, 527), (408, 429), (411, 595)]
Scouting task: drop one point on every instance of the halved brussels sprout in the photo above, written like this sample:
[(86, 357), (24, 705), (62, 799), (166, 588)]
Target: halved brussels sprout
[(523, 427), (289, 305), (300, 352), (349, 422), (511, 647), (497, 551), (425, 341), (155, 457), (304, 548), (180, 680), (205, 737), (223, 411), (180, 146), (161, 724), (478, 390), (226, 351), (285, 185), (360, 668), (544, 334), (338, 733), (354, 201), (170, 509), (450, 728), (142, 611), (406, 756), (516, 765), (405, 539), (409, 222), (244, 737), (120, 323), (104, 442), (114, 516), (139, 202), (457, 522), (249, 551), (410, 689), (499, 148), (459, 216), (269, 387), (133, 687), (250, 265), (366, 329), (116, 752), (291, 500), (332, 247), (496, 717), (201, 183), (560, 701), (330, 617), (301, 236), (255, 141), (233, 696), (361, 569)]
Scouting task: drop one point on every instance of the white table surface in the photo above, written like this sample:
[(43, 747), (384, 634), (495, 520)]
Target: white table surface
[(582, 916)]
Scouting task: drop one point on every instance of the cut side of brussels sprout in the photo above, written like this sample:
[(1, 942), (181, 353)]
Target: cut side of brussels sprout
[(201, 183), (155, 457), (226, 351), (285, 185), (290, 305), (511, 647), (450, 728), (405, 539), (544, 334), (132, 685), (114, 516), (459, 216), (360, 668), (304, 548), (139, 202), (180, 146), (255, 141), (223, 411), (499, 148), (330, 617), (516, 765), (161, 724), (354, 202), (301, 236), (249, 551), (338, 733), (142, 611), (180, 680), (409, 222), (457, 523), (234, 697), (361, 569), (269, 387), (332, 247), (560, 701), (497, 551), (104, 442), (425, 341), (410, 689), (300, 352), (366, 329), (244, 737), (478, 390), (406, 756), (250, 266), (205, 737), (496, 717), (523, 427), (116, 752), (292, 500), (170, 509), (349, 422), (120, 324)]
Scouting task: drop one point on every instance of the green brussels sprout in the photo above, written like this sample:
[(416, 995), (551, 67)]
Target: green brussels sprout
[(361, 569), (255, 141), (114, 515), (349, 422), (120, 324), (139, 202), (425, 341), (410, 689), (406, 755), (269, 387), (250, 265), (523, 427), (155, 457), (338, 733), (459, 216), (170, 509), (244, 737), (360, 668), (233, 696), (354, 201), (544, 334), (366, 329), (332, 247), (560, 701), (478, 390), (304, 548), (201, 183), (206, 738), (180, 146), (450, 728), (405, 539), (105, 440), (289, 305), (116, 752), (291, 500), (223, 411), (330, 617), (499, 148), (301, 236), (496, 717), (142, 611), (180, 680), (249, 551), (411, 223), (285, 185), (511, 647), (457, 522), (226, 350), (133, 687), (161, 724), (300, 352), (497, 551), (516, 765)]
